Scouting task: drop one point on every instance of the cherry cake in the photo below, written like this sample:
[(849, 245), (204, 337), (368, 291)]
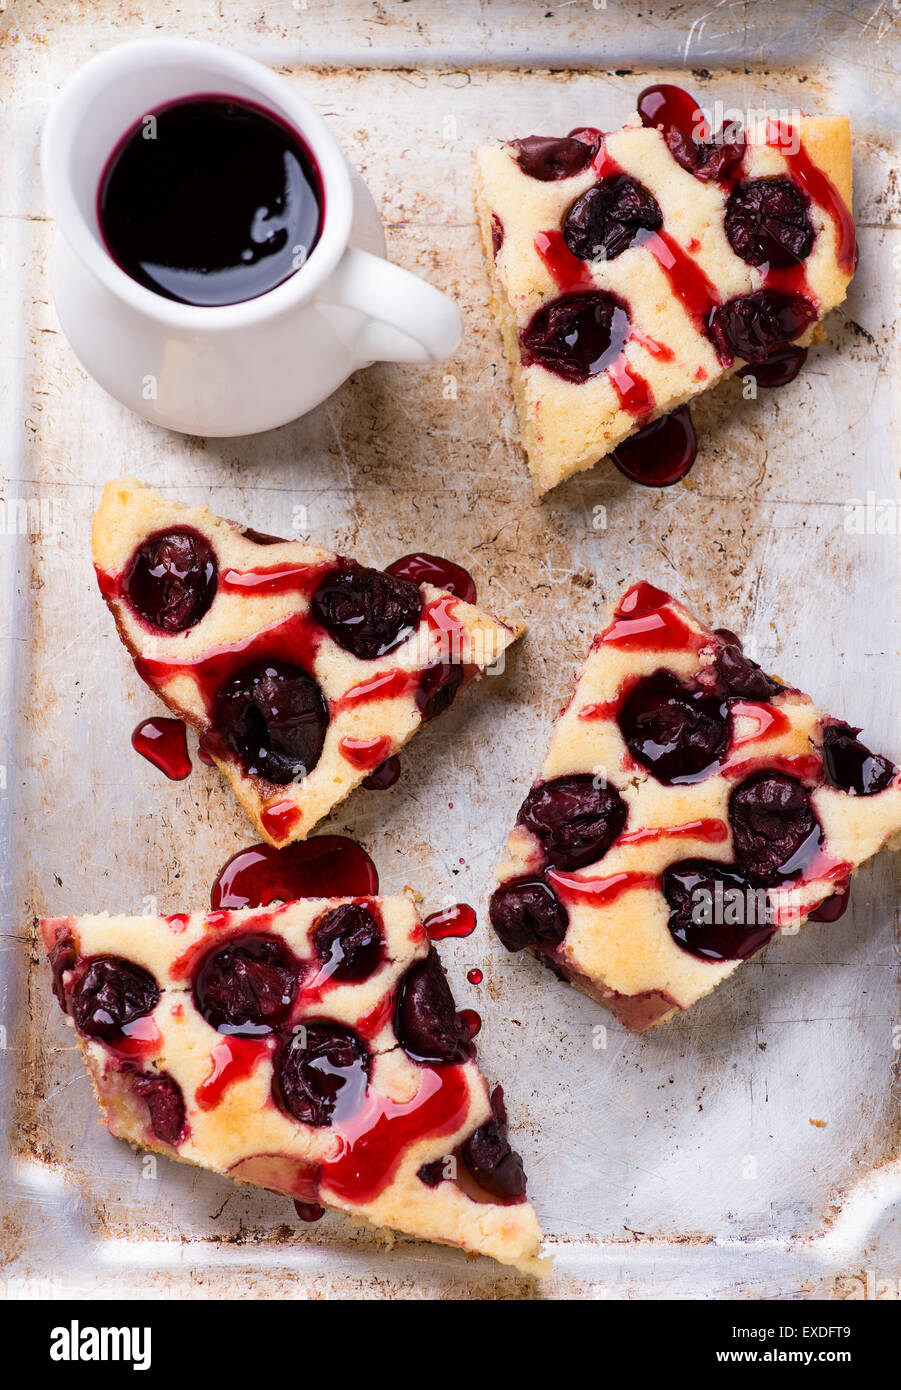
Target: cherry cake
[(689, 807), (313, 1049), (631, 271), (302, 671)]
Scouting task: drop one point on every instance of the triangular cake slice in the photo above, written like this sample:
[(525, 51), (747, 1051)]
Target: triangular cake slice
[(689, 806), (302, 670), (631, 271), (313, 1049)]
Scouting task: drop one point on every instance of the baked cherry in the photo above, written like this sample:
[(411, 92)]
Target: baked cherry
[(62, 957), (437, 688), (248, 986), (767, 223), (850, 765), (734, 674), (426, 1021), (494, 1166), (549, 157), (610, 217), (322, 1074), (575, 819), (348, 941), (165, 1102), (366, 611), (274, 718), (432, 1173), (111, 994), (172, 579), (497, 234), (752, 326), (774, 829), (677, 736), (677, 115), (715, 912), (383, 776), (578, 336), (833, 907), (262, 537), (528, 913), (779, 368)]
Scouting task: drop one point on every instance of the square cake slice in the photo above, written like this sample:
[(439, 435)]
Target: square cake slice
[(689, 807), (312, 1048), (302, 670), (631, 271)]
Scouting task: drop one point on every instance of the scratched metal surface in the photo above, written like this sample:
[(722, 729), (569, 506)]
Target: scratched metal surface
[(750, 1147)]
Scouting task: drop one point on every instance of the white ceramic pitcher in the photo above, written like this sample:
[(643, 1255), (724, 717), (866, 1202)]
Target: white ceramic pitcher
[(239, 368)]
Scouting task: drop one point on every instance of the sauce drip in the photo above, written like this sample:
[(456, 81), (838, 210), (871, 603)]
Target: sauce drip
[(661, 453), (457, 921), (645, 621), (384, 776), (329, 866), (421, 568), (164, 743)]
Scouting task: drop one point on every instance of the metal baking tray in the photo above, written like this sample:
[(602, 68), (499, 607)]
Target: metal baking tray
[(750, 1147)]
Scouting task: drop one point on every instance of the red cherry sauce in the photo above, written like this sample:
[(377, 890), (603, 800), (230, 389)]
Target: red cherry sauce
[(770, 721), (806, 767), (471, 1021), (387, 685), (634, 393), (569, 272), (459, 920), (376, 1137), (164, 743), (280, 818), (475, 976), (688, 281), (141, 1038), (597, 892), (645, 621), (572, 276), (232, 1059), (365, 754), (369, 1025), (275, 579), (712, 830), (674, 109), (441, 616), (420, 568), (818, 187), (661, 453), (294, 640), (329, 866)]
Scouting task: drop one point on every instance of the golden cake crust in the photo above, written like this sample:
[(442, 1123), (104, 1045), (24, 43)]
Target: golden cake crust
[(242, 1133), (622, 951), (566, 426), (129, 513)]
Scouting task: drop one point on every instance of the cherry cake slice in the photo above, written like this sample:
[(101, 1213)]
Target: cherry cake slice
[(302, 670), (313, 1048), (690, 806), (631, 271)]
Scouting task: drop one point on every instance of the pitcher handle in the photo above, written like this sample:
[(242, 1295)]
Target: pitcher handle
[(405, 318)]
